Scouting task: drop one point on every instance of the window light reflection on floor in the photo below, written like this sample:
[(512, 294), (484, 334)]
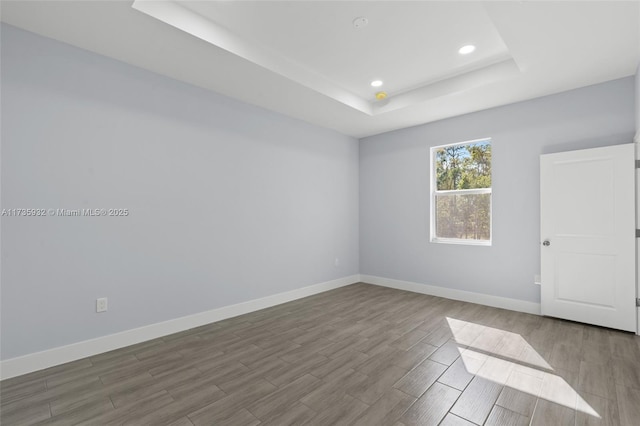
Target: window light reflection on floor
[(508, 359)]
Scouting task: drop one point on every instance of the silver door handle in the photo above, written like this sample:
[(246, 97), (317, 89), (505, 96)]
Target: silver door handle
[(546, 243)]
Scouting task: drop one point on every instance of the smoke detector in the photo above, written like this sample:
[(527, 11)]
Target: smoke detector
[(360, 22)]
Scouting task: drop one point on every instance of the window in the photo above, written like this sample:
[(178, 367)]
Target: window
[(461, 193)]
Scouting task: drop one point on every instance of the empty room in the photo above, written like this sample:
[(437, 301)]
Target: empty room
[(402, 213)]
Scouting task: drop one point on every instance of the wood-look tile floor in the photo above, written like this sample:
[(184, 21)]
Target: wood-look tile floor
[(360, 355)]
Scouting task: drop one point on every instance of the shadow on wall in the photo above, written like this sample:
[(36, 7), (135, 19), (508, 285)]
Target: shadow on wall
[(618, 139), (92, 79)]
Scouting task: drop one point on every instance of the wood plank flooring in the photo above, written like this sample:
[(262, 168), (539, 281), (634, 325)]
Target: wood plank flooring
[(361, 355)]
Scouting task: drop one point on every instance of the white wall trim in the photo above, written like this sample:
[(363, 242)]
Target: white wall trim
[(40, 360), (450, 293)]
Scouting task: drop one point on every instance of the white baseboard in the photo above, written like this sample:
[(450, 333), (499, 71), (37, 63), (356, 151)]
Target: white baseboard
[(40, 360), (450, 293)]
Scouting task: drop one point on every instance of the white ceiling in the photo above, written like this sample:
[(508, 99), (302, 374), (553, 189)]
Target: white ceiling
[(305, 59)]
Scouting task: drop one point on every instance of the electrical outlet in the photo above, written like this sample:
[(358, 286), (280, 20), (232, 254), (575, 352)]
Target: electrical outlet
[(101, 304), (336, 262)]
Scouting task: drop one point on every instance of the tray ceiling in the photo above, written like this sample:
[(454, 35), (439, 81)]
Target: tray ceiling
[(308, 60)]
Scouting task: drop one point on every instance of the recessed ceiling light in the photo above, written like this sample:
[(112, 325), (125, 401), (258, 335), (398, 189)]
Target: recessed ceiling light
[(376, 83), (465, 50)]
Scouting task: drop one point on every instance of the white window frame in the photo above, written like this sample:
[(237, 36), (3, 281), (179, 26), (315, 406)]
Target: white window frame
[(434, 191)]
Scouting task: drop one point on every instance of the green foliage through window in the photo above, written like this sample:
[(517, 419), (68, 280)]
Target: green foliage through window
[(464, 166), (462, 197)]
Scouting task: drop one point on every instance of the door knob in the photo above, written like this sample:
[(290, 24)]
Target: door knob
[(546, 243)]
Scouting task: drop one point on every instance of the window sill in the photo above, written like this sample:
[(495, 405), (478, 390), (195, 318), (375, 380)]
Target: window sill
[(484, 243)]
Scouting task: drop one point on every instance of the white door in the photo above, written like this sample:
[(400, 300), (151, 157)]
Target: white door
[(587, 201)]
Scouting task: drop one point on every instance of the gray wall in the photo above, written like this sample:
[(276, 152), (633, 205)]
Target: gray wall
[(638, 104), (394, 188), (228, 202)]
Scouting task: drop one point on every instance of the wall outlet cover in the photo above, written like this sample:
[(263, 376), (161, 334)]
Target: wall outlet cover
[(101, 304)]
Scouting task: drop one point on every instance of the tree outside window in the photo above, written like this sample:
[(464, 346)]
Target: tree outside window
[(461, 193)]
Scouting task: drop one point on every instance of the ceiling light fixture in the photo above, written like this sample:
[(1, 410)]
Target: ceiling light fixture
[(465, 50), (376, 83)]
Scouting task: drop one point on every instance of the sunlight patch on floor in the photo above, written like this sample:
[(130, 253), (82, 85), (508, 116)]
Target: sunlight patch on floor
[(508, 359)]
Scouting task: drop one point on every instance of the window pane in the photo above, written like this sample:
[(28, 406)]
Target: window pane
[(465, 217), (463, 166)]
